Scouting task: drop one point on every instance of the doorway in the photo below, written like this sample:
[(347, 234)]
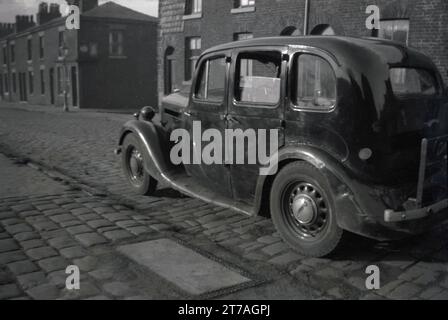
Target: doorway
[(22, 87), (168, 72), (74, 81), (52, 98)]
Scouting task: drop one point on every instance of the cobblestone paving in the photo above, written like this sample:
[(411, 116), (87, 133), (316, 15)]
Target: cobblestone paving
[(81, 146)]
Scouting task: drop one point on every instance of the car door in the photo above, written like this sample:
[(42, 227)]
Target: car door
[(206, 114), (256, 101)]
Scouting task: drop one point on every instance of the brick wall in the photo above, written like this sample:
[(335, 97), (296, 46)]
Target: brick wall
[(119, 82), (428, 24)]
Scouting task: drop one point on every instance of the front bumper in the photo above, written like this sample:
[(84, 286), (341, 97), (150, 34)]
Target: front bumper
[(400, 216)]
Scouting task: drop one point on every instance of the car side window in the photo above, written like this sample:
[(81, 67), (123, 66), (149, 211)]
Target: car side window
[(212, 80), (258, 78), (314, 83)]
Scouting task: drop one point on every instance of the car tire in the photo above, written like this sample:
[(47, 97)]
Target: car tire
[(302, 209), (133, 167)]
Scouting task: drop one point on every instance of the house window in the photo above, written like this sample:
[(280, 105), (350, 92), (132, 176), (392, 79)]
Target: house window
[(14, 84), (41, 47), (257, 78), (396, 30), (242, 36), (193, 7), (192, 53), (13, 53), (116, 43), (30, 49), (31, 81), (60, 81), (61, 42), (42, 82), (314, 83), (212, 80), (243, 3)]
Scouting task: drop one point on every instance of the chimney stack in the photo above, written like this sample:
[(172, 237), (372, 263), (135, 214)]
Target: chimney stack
[(24, 22), (6, 29), (47, 13), (83, 5)]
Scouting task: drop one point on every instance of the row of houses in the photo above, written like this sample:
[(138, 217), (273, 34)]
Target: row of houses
[(110, 62)]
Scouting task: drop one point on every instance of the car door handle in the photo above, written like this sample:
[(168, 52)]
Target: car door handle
[(190, 114), (229, 118), (232, 119)]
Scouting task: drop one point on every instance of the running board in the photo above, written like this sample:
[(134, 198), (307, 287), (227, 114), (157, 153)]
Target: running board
[(187, 185)]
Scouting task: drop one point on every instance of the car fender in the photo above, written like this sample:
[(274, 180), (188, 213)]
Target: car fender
[(155, 143), (353, 204)]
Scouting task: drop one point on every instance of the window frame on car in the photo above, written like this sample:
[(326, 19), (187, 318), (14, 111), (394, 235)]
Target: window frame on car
[(198, 79), (294, 54), (258, 105), (437, 86)]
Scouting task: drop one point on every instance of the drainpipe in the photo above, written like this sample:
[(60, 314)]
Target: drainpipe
[(307, 17)]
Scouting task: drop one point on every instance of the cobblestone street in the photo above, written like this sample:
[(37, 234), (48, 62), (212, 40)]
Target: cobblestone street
[(89, 211)]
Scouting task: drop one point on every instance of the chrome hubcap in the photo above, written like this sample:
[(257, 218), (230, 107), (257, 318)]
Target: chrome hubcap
[(306, 209), (136, 165)]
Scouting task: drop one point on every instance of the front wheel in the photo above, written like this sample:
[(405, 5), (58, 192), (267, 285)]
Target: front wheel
[(133, 167), (303, 212)]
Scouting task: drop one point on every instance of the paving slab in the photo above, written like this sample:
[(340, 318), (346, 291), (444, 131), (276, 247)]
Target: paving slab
[(25, 181), (182, 266)]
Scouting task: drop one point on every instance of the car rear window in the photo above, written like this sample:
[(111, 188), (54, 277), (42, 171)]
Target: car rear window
[(409, 81)]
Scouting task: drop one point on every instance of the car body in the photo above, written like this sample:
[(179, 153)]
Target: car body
[(362, 125)]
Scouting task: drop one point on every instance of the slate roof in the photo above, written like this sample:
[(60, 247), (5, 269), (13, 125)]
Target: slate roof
[(116, 11)]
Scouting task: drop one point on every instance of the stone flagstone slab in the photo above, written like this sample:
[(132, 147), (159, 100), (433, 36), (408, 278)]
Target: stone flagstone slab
[(182, 266)]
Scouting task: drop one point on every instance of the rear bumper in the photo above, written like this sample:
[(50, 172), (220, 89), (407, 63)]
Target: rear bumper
[(401, 216)]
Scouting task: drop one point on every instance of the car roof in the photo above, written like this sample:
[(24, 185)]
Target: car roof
[(342, 48), (323, 42)]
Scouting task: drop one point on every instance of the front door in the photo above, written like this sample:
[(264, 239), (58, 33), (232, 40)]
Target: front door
[(52, 85), (205, 120), (22, 87), (258, 88), (74, 81)]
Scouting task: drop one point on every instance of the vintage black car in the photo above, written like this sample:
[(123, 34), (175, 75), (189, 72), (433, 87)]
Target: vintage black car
[(362, 137)]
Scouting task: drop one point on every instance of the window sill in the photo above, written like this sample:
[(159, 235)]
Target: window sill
[(242, 10), (192, 16), (118, 57)]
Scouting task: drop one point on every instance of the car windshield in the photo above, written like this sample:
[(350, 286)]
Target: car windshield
[(408, 81)]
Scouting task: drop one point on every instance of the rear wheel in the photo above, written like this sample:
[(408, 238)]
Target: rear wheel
[(133, 167), (302, 210)]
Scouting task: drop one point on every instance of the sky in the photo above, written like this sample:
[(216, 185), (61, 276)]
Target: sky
[(10, 8)]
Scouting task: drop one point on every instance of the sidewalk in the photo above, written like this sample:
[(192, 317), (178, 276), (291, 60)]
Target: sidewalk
[(113, 113)]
